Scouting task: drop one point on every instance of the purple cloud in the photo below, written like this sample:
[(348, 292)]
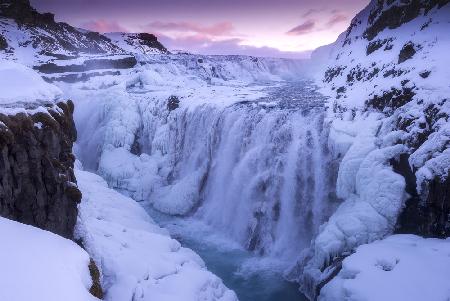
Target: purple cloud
[(303, 28), (218, 29), (103, 26), (337, 19)]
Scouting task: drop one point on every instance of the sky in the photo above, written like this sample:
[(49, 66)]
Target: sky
[(274, 28)]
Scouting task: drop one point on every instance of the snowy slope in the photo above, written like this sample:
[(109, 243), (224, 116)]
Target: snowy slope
[(138, 259), (388, 85), (399, 267), (22, 84), (41, 266)]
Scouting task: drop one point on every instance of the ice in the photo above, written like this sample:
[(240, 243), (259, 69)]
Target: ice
[(42, 266), (400, 267)]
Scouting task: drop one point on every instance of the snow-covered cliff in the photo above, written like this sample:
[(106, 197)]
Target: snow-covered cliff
[(388, 85)]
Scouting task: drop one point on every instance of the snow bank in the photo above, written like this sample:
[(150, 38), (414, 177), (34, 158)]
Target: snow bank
[(21, 84), (400, 267), (41, 266), (137, 258)]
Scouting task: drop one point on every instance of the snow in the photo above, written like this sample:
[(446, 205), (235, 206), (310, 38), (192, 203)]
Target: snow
[(138, 259), (366, 139), (19, 83), (41, 266), (400, 267), (432, 158)]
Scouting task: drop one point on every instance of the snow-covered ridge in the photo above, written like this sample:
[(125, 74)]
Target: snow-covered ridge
[(388, 83), (33, 38)]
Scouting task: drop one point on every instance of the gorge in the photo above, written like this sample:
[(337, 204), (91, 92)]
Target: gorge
[(292, 179)]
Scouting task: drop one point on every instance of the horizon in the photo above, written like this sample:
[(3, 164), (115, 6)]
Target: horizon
[(247, 28)]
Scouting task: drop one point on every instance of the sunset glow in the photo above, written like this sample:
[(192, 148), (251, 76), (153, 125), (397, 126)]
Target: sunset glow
[(285, 28)]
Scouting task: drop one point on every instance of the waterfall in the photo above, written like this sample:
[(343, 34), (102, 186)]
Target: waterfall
[(260, 172), (269, 185)]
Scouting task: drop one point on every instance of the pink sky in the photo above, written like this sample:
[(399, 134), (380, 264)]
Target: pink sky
[(279, 28)]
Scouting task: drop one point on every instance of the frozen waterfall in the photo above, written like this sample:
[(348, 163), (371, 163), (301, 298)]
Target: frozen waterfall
[(258, 171)]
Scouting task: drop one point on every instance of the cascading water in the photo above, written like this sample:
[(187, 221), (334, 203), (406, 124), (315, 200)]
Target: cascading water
[(268, 184), (256, 170), (259, 172)]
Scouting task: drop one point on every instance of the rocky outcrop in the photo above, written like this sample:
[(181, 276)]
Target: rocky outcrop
[(106, 62), (426, 214), (397, 15), (3, 43), (173, 103), (37, 183), (151, 41)]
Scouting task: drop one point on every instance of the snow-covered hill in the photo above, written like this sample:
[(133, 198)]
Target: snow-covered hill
[(34, 39), (388, 83)]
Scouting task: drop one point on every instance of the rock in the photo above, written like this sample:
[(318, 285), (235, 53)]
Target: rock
[(151, 41), (3, 43), (425, 74), (377, 44), (173, 103), (391, 100), (407, 52), (37, 182), (397, 15), (90, 64), (96, 288)]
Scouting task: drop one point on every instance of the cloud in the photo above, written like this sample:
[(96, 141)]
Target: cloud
[(103, 26), (202, 44), (218, 29), (303, 28), (338, 18)]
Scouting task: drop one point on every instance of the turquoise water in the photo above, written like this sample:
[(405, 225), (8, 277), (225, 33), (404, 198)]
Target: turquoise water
[(252, 278)]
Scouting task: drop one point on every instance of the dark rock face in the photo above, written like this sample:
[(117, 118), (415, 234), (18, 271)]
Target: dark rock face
[(406, 53), (173, 103), (397, 15), (3, 43), (391, 100), (427, 214), (151, 41), (377, 44), (425, 74), (37, 182), (90, 64), (23, 13)]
